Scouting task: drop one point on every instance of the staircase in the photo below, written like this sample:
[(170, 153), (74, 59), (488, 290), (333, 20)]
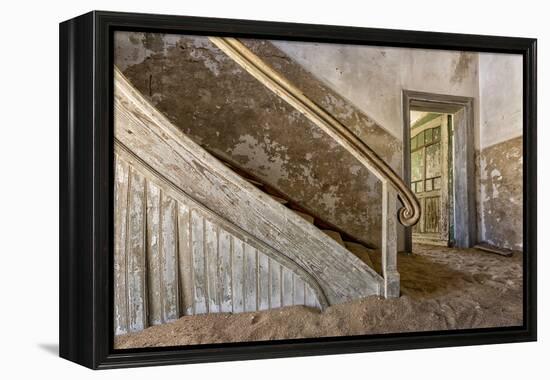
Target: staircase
[(360, 248), (196, 234)]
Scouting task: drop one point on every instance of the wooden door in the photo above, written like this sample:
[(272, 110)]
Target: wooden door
[(430, 178)]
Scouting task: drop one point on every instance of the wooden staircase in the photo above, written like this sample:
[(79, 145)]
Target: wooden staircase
[(357, 246), (196, 233)]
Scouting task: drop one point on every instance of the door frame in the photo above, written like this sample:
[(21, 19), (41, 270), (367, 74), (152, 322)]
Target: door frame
[(464, 199)]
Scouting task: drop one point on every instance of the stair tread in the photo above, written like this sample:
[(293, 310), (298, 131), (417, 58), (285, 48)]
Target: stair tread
[(360, 251), (335, 235), (305, 216)]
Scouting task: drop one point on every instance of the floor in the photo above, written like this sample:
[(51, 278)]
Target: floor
[(441, 288)]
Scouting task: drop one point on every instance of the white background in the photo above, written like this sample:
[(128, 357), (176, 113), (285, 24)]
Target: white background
[(29, 191)]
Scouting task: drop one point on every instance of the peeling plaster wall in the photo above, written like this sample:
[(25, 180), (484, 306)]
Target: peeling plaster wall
[(500, 159), (501, 200), (372, 78), (219, 105)]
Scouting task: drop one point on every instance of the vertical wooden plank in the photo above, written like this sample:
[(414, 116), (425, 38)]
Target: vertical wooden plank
[(211, 241), (199, 267), (311, 298), (288, 289), (169, 286), (136, 253), (154, 276), (389, 241), (276, 284), (299, 290), (263, 281), (224, 270), (238, 275), (121, 215), (250, 278), (185, 261)]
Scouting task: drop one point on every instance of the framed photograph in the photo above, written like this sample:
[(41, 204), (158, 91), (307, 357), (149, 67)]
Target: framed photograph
[(236, 189)]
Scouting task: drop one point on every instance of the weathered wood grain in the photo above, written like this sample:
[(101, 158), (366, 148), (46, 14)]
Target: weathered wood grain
[(169, 259), (238, 275), (250, 278), (195, 261), (191, 170), (263, 282), (185, 261), (224, 270), (288, 288), (199, 262), (192, 237), (154, 274), (120, 229), (275, 298), (135, 279), (211, 245)]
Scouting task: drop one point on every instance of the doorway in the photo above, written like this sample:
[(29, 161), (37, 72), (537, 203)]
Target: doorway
[(438, 165), (431, 172)]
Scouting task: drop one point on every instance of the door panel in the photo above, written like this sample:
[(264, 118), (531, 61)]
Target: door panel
[(429, 178)]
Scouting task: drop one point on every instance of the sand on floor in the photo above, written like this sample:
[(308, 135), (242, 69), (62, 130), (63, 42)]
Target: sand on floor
[(441, 289)]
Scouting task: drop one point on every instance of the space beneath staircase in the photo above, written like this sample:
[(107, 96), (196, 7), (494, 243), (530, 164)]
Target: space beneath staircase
[(442, 288)]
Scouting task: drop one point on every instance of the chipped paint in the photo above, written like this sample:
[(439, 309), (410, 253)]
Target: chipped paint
[(500, 204), (219, 105)]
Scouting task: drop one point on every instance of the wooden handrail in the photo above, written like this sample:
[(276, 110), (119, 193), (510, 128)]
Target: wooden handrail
[(409, 214)]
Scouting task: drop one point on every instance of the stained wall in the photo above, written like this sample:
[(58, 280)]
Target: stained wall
[(500, 155), (372, 78), (219, 105), (224, 108)]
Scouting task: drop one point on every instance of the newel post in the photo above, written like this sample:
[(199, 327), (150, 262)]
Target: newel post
[(389, 241)]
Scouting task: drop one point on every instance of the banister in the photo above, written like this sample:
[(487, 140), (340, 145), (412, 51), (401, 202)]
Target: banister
[(409, 214)]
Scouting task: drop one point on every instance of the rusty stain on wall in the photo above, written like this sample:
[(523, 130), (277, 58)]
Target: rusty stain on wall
[(215, 102), (500, 206)]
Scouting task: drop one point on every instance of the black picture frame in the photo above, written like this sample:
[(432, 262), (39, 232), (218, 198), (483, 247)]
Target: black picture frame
[(86, 183)]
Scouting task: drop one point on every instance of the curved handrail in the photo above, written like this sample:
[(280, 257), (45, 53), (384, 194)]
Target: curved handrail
[(409, 214)]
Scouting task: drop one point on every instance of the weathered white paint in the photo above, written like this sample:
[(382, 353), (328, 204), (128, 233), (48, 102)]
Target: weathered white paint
[(141, 128), (189, 217), (183, 259)]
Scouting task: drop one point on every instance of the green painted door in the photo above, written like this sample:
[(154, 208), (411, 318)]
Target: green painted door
[(429, 178)]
